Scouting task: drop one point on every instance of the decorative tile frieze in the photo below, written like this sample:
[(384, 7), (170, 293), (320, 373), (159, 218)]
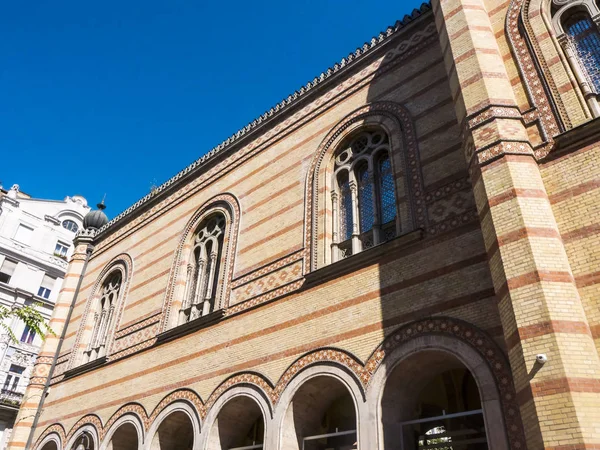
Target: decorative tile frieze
[(148, 321), (257, 273), (268, 282), (284, 290), (534, 86)]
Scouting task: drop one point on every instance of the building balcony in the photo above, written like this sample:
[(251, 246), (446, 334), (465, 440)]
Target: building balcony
[(9, 397)]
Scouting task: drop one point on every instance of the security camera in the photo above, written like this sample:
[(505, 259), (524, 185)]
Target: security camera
[(541, 358)]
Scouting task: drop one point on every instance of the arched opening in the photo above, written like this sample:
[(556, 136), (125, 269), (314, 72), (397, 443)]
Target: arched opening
[(124, 438), (176, 432), (49, 446), (321, 416), (84, 441), (239, 425), (431, 401)]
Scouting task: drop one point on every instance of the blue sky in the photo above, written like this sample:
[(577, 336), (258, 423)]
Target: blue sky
[(115, 96)]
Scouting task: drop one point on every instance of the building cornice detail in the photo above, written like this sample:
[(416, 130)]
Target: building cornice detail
[(347, 63)]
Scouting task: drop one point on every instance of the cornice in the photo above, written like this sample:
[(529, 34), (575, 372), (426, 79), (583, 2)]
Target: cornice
[(278, 111)]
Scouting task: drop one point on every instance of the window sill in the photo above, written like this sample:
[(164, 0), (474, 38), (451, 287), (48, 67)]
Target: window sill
[(576, 138), (190, 327), (85, 367), (362, 259)]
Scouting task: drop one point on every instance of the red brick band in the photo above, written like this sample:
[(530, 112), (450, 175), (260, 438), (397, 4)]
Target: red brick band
[(558, 386), (533, 277), (544, 328)]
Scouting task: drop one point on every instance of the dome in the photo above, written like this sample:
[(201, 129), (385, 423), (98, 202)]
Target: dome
[(96, 218)]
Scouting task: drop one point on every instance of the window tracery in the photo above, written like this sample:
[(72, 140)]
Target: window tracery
[(577, 25), (203, 269), (363, 198), (104, 316)]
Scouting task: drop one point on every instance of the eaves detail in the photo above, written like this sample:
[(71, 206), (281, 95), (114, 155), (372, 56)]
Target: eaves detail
[(343, 65)]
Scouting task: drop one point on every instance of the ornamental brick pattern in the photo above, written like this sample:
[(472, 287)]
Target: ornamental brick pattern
[(495, 163)]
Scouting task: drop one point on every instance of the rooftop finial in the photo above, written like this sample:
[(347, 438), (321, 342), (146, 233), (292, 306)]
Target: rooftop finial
[(101, 206)]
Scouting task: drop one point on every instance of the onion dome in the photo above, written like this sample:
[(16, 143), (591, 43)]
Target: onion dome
[(96, 218)]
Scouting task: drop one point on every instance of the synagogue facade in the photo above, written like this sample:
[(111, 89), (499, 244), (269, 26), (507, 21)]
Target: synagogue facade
[(402, 254)]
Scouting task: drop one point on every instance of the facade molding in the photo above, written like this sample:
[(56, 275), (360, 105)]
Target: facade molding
[(331, 361), (125, 264), (397, 123)]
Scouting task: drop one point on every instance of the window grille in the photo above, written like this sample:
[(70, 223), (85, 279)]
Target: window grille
[(203, 269), (104, 315), (363, 198), (584, 38)]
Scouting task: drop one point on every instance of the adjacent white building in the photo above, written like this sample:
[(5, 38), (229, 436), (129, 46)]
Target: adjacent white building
[(36, 241)]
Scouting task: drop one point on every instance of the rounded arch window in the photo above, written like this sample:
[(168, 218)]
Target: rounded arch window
[(579, 34), (104, 315), (70, 225), (363, 196), (204, 268)]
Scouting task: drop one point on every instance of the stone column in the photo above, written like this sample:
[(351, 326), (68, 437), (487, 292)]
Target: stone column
[(33, 395), (539, 304)]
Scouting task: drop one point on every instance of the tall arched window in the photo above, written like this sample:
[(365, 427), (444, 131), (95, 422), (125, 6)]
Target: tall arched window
[(203, 269), (363, 198), (584, 36), (104, 316), (579, 35)]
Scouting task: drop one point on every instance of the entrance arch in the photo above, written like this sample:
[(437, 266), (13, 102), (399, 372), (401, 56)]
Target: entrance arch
[(319, 410), (176, 428), (238, 420), (50, 442), (125, 434), (437, 390)]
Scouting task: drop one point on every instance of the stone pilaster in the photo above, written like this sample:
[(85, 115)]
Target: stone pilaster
[(538, 301), (33, 395)]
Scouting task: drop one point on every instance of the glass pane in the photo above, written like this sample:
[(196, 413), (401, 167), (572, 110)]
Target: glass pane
[(23, 234), (465, 432), (25, 333), (345, 207), (365, 200), (8, 267), (386, 190), (585, 39)]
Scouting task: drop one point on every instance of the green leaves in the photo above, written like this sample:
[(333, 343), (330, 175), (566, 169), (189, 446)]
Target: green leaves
[(27, 314)]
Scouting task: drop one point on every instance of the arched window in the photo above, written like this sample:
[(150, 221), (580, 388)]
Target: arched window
[(203, 269), (104, 315), (579, 35), (363, 197), (584, 37)]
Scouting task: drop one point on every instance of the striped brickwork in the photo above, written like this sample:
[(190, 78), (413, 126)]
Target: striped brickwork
[(573, 186), (537, 295), (29, 407), (499, 251)]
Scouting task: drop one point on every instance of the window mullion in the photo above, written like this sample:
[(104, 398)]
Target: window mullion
[(356, 244), (209, 283), (376, 206), (336, 226)]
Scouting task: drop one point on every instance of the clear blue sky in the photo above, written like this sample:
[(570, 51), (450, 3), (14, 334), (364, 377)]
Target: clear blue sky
[(114, 96)]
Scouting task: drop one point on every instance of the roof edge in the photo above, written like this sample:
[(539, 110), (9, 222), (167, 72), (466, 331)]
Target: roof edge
[(276, 111)]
